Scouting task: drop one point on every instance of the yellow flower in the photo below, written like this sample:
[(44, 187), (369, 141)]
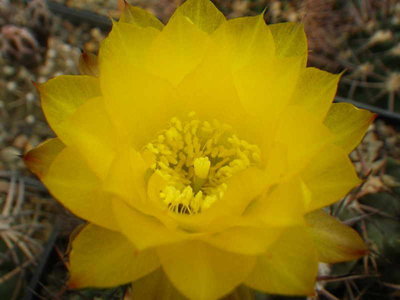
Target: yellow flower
[(201, 153)]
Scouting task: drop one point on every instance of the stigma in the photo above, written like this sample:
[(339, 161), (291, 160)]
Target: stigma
[(196, 158)]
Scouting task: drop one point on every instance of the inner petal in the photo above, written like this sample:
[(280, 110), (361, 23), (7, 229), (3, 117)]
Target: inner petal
[(196, 158)]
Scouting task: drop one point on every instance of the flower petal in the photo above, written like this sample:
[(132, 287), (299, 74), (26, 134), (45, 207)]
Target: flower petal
[(334, 241), (266, 87), (348, 124), (61, 96), (177, 50), (290, 40), (155, 286), (39, 159), (88, 128), (105, 258), (200, 271), (202, 13), (133, 96), (283, 205), (125, 47), (244, 240), (243, 41), (329, 177), (139, 17), (72, 182), (215, 97), (302, 143), (315, 90), (289, 267), (88, 64), (144, 231)]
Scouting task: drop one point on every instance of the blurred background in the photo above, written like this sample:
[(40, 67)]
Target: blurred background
[(41, 39)]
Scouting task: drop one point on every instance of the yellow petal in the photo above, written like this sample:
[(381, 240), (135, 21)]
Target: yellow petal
[(212, 87), (290, 40), (283, 205), (329, 177), (334, 241), (61, 96), (155, 286), (126, 178), (244, 240), (260, 85), (125, 47), (177, 50), (315, 91), (88, 64), (302, 143), (71, 181), (132, 96), (289, 267), (39, 159), (139, 17), (202, 13), (200, 271), (243, 41), (88, 128), (348, 124), (144, 231), (105, 258)]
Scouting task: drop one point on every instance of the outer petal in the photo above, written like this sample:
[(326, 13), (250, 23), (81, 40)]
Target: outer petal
[(329, 177), (105, 258), (315, 90), (200, 271), (132, 96), (244, 240), (348, 124), (62, 96), (202, 13), (155, 286), (40, 158), (266, 86), (72, 182), (140, 17), (289, 267), (334, 241), (302, 142), (125, 47), (290, 40), (177, 50), (142, 230), (88, 128), (243, 41), (88, 64), (283, 205)]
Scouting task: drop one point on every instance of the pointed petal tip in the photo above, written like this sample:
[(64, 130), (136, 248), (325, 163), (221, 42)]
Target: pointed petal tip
[(73, 284), (36, 85), (30, 160)]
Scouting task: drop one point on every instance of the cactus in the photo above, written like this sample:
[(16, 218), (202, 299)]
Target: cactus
[(364, 40)]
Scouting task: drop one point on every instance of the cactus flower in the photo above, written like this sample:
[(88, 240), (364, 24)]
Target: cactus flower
[(201, 154)]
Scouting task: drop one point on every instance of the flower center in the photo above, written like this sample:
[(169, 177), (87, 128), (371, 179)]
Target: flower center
[(196, 158)]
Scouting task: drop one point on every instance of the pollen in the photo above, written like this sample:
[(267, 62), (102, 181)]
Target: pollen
[(196, 159)]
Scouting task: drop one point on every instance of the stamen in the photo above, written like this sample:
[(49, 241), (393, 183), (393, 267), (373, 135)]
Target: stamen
[(201, 170), (196, 158)]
